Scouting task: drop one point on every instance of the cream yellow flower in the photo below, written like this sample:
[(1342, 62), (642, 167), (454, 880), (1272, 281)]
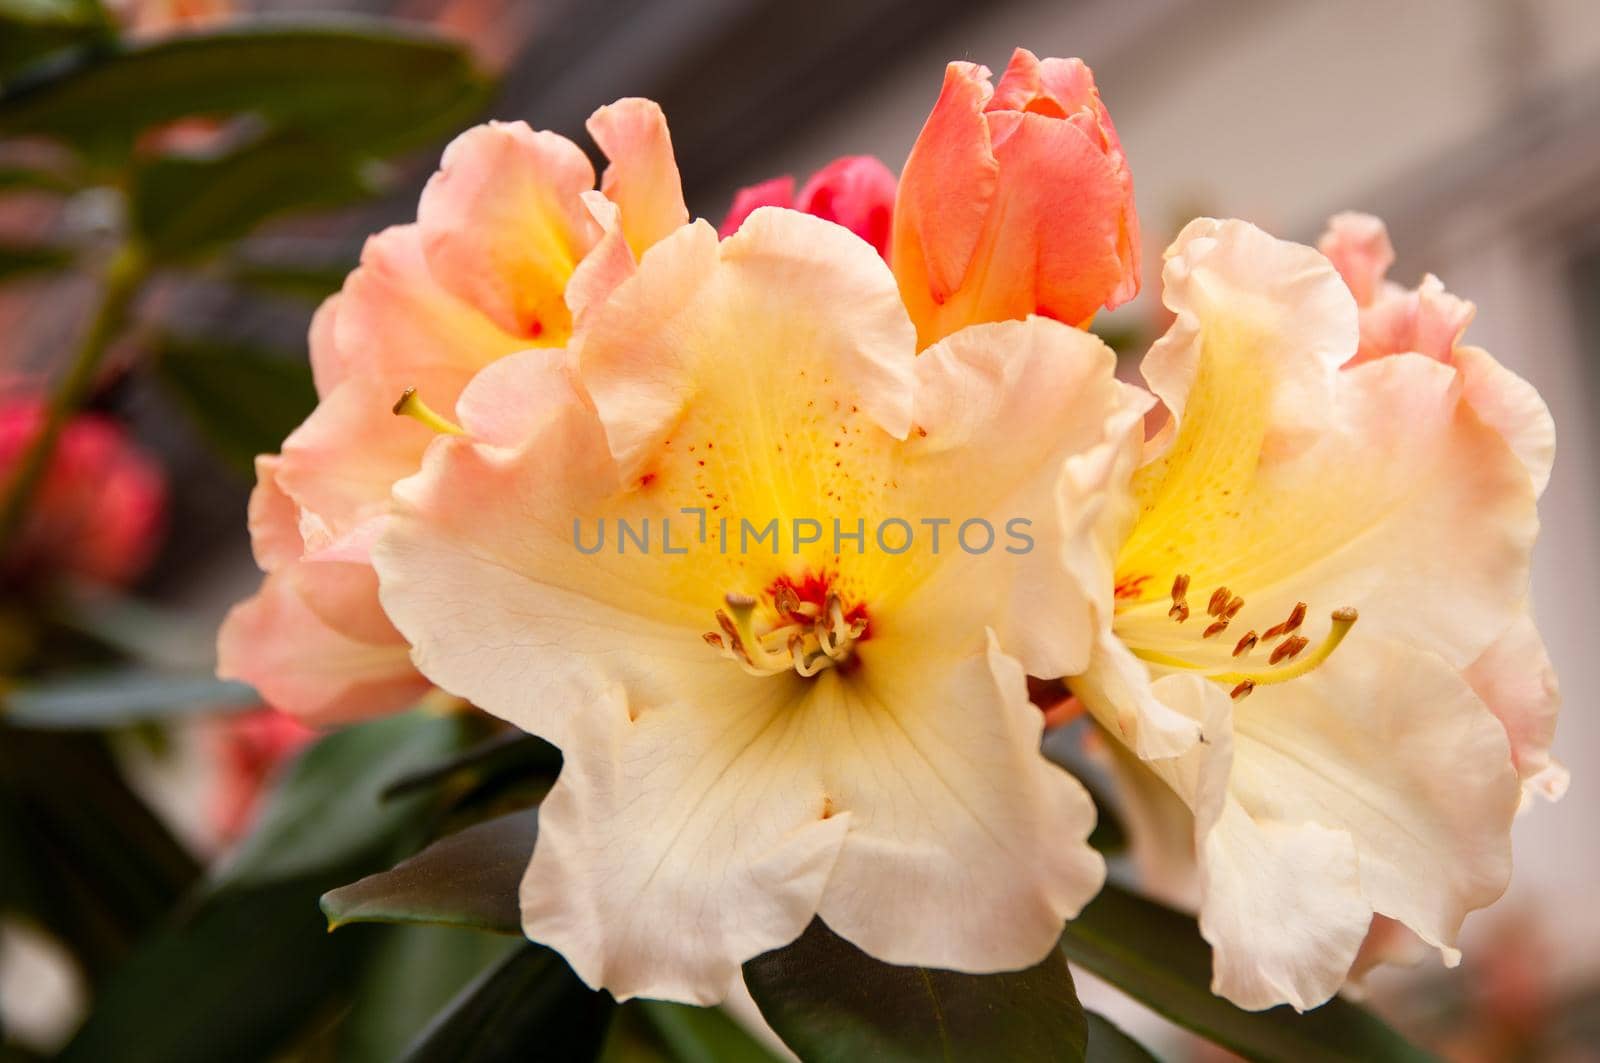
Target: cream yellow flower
[(1315, 559), (757, 732)]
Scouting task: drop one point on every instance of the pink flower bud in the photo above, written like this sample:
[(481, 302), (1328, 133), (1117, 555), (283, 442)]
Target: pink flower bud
[(855, 191)]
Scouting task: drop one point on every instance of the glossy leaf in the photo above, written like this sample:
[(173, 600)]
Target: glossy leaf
[(830, 1001), (686, 1034), (530, 1007), (363, 86), (1108, 1044), (510, 753), (413, 974), (468, 879), (243, 399), (1157, 956), (120, 697), (326, 812), (182, 207)]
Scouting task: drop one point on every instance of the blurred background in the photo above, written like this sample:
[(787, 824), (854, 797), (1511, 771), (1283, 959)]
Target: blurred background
[(1471, 126)]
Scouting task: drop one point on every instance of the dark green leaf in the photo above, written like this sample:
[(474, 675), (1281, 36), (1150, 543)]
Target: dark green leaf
[(531, 1007), (828, 1000), (414, 973), (468, 879), (1108, 1044), (182, 207), (326, 812), (17, 260), (365, 87), (97, 867), (510, 753), (686, 1034), (24, 179), (243, 399), (119, 697), (1157, 956), (32, 29), (237, 980)]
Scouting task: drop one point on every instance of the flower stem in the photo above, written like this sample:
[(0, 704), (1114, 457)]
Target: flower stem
[(124, 276)]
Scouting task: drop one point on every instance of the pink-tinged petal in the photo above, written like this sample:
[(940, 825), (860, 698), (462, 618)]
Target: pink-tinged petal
[(642, 178), (776, 192), (511, 399), (1359, 248), (503, 227), (784, 282), (395, 321), (1515, 679), (946, 190), (274, 519), (607, 265), (327, 364), (1387, 943), (316, 644), (339, 465), (856, 191), (1510, 405), (1426, 321)]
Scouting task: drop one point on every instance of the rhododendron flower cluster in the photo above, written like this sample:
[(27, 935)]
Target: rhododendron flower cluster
[(1298, 612)]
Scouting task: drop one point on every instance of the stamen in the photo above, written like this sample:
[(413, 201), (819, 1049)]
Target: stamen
[(713, 639), (1289, 647), (1297, 616), (787, 601), (1219, 601), (1180, 605), (1246, 644), (807, 637), (1343, 620), (1233, 608), (1242, 691), (410, 405), (1216, 629)]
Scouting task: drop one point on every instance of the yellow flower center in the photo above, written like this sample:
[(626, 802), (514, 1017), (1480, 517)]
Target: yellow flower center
[(794, 626)]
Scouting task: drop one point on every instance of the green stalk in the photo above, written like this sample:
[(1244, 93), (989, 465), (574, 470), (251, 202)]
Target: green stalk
[(124, 276)]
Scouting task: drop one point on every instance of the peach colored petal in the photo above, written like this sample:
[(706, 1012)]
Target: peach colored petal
[(607, 265), (1515, 679), (1359, 248), (274, 519), (502, 225), (316, 644), (327, 364), (642, 178)]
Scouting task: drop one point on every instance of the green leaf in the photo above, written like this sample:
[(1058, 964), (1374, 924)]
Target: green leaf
[(685, 1034), (182, 207), (509, 754), (32, 29), (362, 86), (245, 400), (237, 980), (327, 812), (1108, 1044), (531, 1007), (467, 879), (1157, 956), (119, 697), (830, 1001), (18, 260), (414, 972)]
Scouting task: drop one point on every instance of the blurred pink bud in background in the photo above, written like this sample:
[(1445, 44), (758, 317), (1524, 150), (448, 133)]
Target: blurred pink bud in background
[(99, 510), (855, 191), (252, 748)]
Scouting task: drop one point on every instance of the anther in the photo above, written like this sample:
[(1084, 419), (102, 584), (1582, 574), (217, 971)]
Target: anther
[(1289, 647), (1297, 616), (1178, 612), (1246, 644), (787, 601), (1242, 691), (1180, 586), (1233, 608), (1216, 629), (410, 405), (1219, 601), (713, 639)]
